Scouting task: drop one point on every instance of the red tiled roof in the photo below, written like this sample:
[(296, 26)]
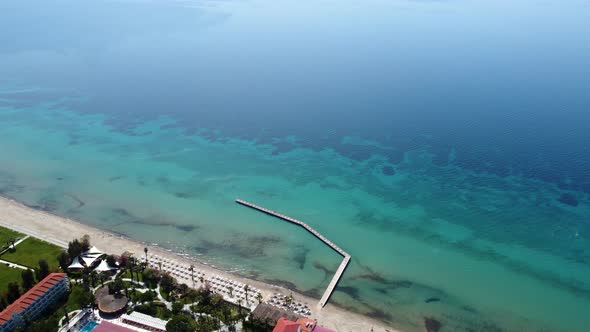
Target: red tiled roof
[(110, 327), (31, 296), (285, 325), (307, 324)]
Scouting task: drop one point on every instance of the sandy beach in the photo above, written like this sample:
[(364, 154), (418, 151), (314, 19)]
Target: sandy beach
[(60, 231)]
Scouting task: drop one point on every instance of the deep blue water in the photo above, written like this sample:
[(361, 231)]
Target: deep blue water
[(504, 84), (470, 102)]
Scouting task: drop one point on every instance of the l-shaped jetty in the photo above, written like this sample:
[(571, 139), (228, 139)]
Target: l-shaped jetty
[(341, 268)]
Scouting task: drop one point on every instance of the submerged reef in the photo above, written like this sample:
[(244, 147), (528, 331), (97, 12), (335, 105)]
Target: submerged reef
[(568, 199), (432, 325), (388, 170)]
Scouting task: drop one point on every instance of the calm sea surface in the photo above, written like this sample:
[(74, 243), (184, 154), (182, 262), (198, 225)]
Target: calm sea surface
[(444, 144)]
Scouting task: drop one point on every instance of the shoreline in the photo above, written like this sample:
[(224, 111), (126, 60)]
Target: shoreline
[(60, 230)]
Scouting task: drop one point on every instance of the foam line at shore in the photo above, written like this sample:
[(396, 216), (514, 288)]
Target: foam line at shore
[(56, 229)]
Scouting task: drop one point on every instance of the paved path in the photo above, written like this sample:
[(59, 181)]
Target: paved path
[(140, 283), (14, 265), (11, 264), (14, 245), (21, 240), (161, 298)]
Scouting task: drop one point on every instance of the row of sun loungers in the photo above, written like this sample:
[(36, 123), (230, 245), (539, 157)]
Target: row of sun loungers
[(222, 286), (174, 268), (217, 284), (280, 301)]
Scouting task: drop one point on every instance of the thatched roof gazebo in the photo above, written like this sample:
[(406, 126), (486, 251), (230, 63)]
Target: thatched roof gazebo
[(110, 304)]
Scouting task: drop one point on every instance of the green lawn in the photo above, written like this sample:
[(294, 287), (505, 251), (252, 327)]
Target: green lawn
[(127, 275), (78, 298), (31, 250), (155, 309), (165, 295), (8, 275), (7, 234), (148, 296)]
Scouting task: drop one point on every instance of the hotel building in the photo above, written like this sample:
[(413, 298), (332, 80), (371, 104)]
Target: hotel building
[(34, 302)]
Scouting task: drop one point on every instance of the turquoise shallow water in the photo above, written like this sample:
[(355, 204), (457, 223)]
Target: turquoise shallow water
[(443, 144), (427, 241)]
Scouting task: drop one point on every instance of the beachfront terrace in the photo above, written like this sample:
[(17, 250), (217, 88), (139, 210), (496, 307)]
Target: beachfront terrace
[(235, 291), (232, 291), (175, 268), (287, 302)]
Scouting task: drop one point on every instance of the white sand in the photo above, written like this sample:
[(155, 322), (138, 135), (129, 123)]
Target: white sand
[(61, 230)]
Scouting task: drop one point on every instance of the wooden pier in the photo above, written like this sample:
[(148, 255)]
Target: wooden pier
[(315, 233)]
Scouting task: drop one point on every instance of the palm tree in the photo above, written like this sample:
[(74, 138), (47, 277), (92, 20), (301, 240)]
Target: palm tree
[(136, 269), (226, 312), (201, 279), (240, 306), (259, 298), (160, 265), (132, 267), (231, 291), (67, 317), (246, 289), (93, 277), (129, 268), (85, 278), (134, 298), (145, 250), (192, 269)]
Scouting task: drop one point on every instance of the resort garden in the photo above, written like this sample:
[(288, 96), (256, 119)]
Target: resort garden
[(24, 261), (117, 285)]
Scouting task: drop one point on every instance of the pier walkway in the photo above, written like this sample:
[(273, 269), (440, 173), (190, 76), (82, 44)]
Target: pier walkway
[(328, 292)]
